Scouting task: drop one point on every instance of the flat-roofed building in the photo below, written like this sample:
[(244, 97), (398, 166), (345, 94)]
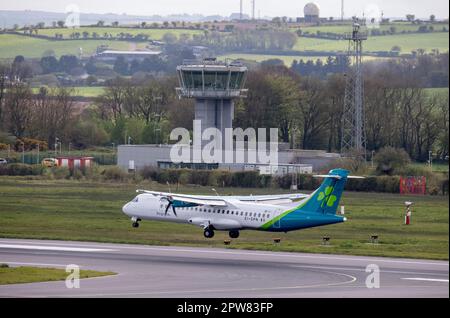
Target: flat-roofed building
[(112, 55)]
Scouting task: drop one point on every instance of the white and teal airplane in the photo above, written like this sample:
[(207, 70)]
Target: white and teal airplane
[(274, 213)]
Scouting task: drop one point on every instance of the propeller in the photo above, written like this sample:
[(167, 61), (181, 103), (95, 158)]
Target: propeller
[(170, 205)]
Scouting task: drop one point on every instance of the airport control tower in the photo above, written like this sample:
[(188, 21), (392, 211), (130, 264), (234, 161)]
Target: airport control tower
[(214, 85)]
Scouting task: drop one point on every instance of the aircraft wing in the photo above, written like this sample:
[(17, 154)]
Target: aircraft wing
[(222, 200), (272, 198), (198, 200)]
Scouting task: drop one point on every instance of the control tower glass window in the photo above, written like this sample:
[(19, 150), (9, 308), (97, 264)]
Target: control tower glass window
[(236, 80)]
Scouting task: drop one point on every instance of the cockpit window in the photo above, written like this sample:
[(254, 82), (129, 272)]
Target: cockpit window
[(136, 199)]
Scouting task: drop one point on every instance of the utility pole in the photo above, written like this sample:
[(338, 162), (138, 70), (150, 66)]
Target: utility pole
[(342, 10), (430, 159), (56, 146), (23, 152)]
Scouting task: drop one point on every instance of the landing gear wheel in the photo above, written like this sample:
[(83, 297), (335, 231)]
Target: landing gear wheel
[(234, 234), (208, 233), (135, 224)]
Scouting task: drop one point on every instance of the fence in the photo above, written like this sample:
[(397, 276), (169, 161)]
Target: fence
[(413, 185)]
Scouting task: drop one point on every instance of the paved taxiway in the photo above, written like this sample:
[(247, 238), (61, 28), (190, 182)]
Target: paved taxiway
[(152, 271)]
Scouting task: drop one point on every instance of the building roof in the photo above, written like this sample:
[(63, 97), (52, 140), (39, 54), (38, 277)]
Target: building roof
[(130, 52)]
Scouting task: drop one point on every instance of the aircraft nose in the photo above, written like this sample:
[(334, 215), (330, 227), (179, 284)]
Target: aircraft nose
[(126, 209)]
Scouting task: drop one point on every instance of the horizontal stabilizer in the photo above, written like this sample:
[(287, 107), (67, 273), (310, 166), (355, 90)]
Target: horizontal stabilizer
[(336, 176)]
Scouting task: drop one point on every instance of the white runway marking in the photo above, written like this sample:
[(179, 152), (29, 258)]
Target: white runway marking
[(54, 248), (427, 279)]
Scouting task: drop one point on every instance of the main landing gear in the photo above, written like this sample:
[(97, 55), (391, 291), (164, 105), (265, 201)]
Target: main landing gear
[(234, 234), (135, 221), (208, 233)]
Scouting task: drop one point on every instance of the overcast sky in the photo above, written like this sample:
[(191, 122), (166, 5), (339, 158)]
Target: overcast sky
[(291, 8)]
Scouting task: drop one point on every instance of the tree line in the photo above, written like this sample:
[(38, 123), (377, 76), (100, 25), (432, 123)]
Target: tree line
[(307, 110)]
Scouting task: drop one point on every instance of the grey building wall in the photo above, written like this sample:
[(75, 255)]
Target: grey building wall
[(150, 155)]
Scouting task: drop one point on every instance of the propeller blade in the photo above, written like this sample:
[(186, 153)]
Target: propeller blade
[(173, 209), (168, 206)]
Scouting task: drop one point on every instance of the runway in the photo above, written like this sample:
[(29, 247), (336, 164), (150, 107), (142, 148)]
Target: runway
[(188, 272)]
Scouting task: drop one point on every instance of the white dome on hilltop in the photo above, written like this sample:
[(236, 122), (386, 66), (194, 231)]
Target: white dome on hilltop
[(311, 9)]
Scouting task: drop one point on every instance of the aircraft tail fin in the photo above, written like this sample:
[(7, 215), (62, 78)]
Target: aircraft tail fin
[(326, 198)]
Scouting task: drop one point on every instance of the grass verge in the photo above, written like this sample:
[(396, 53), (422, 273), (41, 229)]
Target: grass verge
[(27, 274), (87, 211)]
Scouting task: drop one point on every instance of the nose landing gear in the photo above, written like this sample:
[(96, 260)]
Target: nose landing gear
[(135, 221)]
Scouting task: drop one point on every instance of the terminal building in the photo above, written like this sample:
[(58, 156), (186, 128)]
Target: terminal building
[(215, 86)]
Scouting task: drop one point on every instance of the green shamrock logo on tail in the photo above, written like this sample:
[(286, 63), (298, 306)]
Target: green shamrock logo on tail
[(327, 192)]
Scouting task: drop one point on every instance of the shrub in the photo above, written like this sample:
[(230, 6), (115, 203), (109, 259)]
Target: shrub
[(245, 179), (60, 172), (77, 174), (390, 159), (150, 173), (18, 169), (114, 174), (223, 178), (184, 177), (200, 177)]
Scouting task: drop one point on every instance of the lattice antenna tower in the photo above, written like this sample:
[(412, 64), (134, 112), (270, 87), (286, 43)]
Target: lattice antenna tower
[(353, 128)]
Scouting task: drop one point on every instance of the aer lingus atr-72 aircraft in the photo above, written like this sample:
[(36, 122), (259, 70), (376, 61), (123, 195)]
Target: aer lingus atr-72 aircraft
[(275, 213)]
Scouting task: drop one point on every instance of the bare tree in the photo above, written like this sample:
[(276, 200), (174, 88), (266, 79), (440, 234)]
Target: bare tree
[(18, 109)]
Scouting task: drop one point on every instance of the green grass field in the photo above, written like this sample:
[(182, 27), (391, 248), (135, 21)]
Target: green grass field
[(12, 45), (85, 91), (342, 29), (407, 43), (71, 210), (26, 274)]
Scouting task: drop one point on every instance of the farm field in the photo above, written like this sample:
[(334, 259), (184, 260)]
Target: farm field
[(407, 43), (86, 211), (12, 45), (85, 91), (399, 27)]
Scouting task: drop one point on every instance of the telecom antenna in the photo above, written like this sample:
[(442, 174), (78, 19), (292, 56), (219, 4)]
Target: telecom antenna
[(241, 10), (353, 131), (253, 9)]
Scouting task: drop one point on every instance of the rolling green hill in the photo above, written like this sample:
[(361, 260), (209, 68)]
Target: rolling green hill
[(407, 43), (12, 45), (399, 27)]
